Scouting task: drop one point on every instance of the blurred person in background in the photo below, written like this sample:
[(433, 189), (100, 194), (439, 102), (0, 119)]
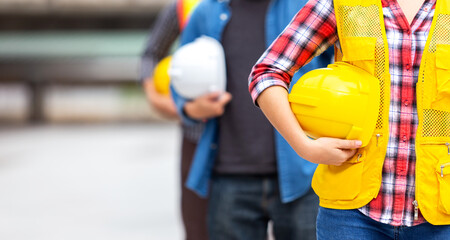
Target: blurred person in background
[(255, 175), (164, 33)]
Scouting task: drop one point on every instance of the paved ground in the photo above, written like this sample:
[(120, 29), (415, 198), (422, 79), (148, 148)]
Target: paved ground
[(90, 182)]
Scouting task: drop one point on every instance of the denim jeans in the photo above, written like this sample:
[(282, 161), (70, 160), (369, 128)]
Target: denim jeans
[(240, 208), (334, 224)]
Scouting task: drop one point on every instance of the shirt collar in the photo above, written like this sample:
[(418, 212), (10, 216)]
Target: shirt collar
[(386, 3)]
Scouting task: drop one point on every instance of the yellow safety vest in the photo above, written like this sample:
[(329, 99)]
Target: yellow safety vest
[(184, 10), (362, 36)]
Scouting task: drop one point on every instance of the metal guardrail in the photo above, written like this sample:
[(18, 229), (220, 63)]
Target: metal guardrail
[(81, 6), (42, 59)]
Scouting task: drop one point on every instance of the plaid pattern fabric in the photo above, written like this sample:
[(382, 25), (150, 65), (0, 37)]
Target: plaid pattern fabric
[(313, 30), (310, 33), (406, 44)]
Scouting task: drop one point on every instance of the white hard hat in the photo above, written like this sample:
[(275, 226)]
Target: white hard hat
[(198, 68)]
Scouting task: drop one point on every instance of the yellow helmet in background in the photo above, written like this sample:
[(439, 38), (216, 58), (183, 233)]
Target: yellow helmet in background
[(340, 101), (161, 77)]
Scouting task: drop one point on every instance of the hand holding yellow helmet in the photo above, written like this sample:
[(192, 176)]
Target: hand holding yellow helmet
[(340, 101)]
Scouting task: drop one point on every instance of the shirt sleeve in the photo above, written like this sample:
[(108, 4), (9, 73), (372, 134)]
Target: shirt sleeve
[(311, 32), (163, 34)]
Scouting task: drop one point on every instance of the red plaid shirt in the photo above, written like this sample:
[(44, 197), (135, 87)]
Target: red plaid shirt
[(312, 31)]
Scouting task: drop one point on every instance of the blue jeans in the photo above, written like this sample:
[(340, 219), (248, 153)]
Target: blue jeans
[(334, 224), (240, 208)]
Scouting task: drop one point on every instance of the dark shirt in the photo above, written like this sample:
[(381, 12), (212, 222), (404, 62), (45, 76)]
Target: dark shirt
[(246, 138)]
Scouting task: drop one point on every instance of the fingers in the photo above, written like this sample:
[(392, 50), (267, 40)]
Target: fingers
[(224, 98), (219, 99), (348, 144), (333, 151), (212, 96), (208, 106), (218, 105), (348, 153)]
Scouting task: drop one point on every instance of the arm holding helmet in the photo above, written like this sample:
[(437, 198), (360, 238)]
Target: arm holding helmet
[(164, 33), (164, 104), (330, 151), (271, 76)]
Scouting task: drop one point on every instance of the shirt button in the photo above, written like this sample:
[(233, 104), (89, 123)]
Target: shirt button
[(223, 16), (405, 138), (408, 67), (406, 103), (409, 32), (425, 9)]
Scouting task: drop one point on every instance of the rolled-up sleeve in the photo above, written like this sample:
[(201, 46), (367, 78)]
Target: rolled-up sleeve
[(311, 32)]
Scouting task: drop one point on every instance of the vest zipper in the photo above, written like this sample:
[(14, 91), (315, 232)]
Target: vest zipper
[(378, 136), (416, 209), (442, 168), (448, 147)]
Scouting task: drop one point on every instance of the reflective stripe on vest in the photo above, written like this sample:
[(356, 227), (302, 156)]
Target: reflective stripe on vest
[(184, 10), (363, 42)]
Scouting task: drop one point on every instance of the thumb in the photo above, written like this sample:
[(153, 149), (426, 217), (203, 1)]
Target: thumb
[(212, 96), (349, 144), (225, 98)]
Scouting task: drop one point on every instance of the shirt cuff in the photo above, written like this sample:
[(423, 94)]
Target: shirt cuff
[(179, 103), (263, 84)]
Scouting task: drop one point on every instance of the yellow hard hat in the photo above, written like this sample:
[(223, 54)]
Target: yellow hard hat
[(340, 101), (161, 77)]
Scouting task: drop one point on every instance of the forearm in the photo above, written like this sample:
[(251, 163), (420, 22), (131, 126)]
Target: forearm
[(165, 106), (274, 104), (163, 103)]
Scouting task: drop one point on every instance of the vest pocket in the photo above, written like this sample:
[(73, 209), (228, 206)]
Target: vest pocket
[(442, 77), (360, 52), (434, 188), (339, 182), (443, 175)]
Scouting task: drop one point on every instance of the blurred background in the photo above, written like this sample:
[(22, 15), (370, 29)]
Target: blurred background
[(82, 154)]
